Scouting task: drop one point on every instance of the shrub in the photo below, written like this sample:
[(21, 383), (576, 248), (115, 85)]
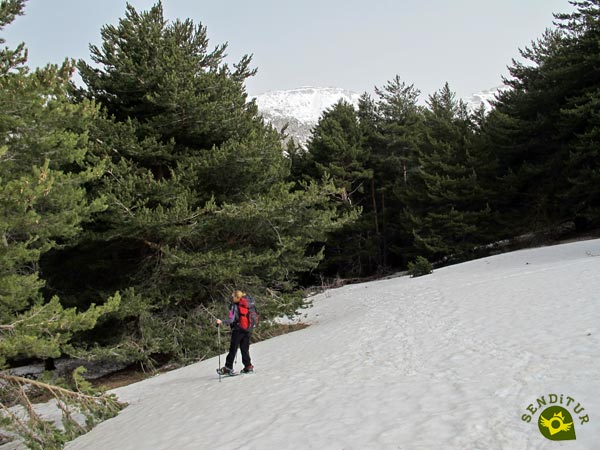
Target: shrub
[(419, 267)]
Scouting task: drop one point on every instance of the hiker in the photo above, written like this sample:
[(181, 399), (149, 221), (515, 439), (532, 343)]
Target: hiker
[(240, 337)]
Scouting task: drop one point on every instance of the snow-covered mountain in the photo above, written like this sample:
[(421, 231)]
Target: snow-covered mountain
[(474, 101), (305, 104), (301, 108)]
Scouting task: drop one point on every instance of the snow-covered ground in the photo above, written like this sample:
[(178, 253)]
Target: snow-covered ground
[(451, 360)]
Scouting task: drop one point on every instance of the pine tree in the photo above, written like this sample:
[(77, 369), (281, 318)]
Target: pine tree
[(372, 217), (398, 136), (164, 76), (522, 130), (198, 193), (43, 202), (544, 129), (335, 152), (446, 205), (577, 66)]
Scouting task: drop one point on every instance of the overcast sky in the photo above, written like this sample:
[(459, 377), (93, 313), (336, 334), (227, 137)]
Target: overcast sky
[(349, 44)]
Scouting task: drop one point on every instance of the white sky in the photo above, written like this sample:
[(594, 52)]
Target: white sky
[(349, 44)]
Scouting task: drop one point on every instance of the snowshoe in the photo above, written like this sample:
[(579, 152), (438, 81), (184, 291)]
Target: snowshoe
[(226, 371), (248, 369)]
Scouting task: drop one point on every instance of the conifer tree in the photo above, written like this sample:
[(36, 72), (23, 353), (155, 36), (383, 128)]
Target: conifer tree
[(372, 139), (577, 67), (198, 192), (335, 151), (522, 130), (43, 202), (543, 130), (446, 206), (394, 161)]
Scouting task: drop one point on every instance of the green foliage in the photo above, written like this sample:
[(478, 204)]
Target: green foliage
[(19, 416), (197, 192), (11, 60), (43, 200), (45, 330), (415, 173), (395, 133), (43, 203), (446, 207), (335, 153), (544, 129), (419, 267), (163, 76)]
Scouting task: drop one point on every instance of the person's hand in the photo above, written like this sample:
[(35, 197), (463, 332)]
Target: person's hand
[(219, 322)]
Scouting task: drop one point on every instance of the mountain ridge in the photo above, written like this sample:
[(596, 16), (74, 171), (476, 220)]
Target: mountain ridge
[(301, 108)]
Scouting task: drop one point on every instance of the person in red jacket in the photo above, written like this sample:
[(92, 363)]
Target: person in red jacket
[(240, 338)]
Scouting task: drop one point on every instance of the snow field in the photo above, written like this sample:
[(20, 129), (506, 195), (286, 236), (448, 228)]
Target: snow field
[(446, 361)]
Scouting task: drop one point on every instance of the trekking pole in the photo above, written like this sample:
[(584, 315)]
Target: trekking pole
[(219, 345)]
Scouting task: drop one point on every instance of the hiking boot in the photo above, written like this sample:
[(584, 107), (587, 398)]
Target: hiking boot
[(225, 371), (248, 369)]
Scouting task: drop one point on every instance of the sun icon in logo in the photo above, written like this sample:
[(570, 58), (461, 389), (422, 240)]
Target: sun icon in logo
[(556, 424)]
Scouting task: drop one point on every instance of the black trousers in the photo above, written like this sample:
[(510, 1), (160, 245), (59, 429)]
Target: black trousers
[(239, 339)]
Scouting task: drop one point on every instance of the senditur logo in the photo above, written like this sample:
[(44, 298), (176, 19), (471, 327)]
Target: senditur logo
[(555, 421), (556, 424)]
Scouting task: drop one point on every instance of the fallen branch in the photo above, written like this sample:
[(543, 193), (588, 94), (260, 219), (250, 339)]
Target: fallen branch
[(40, 433)]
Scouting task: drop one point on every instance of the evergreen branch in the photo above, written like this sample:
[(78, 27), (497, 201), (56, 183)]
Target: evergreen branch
[(208, 311), (276, 231), (13, 325), (51, 388), (18, 424), (118, 203), (43, 434), (357, 188)]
